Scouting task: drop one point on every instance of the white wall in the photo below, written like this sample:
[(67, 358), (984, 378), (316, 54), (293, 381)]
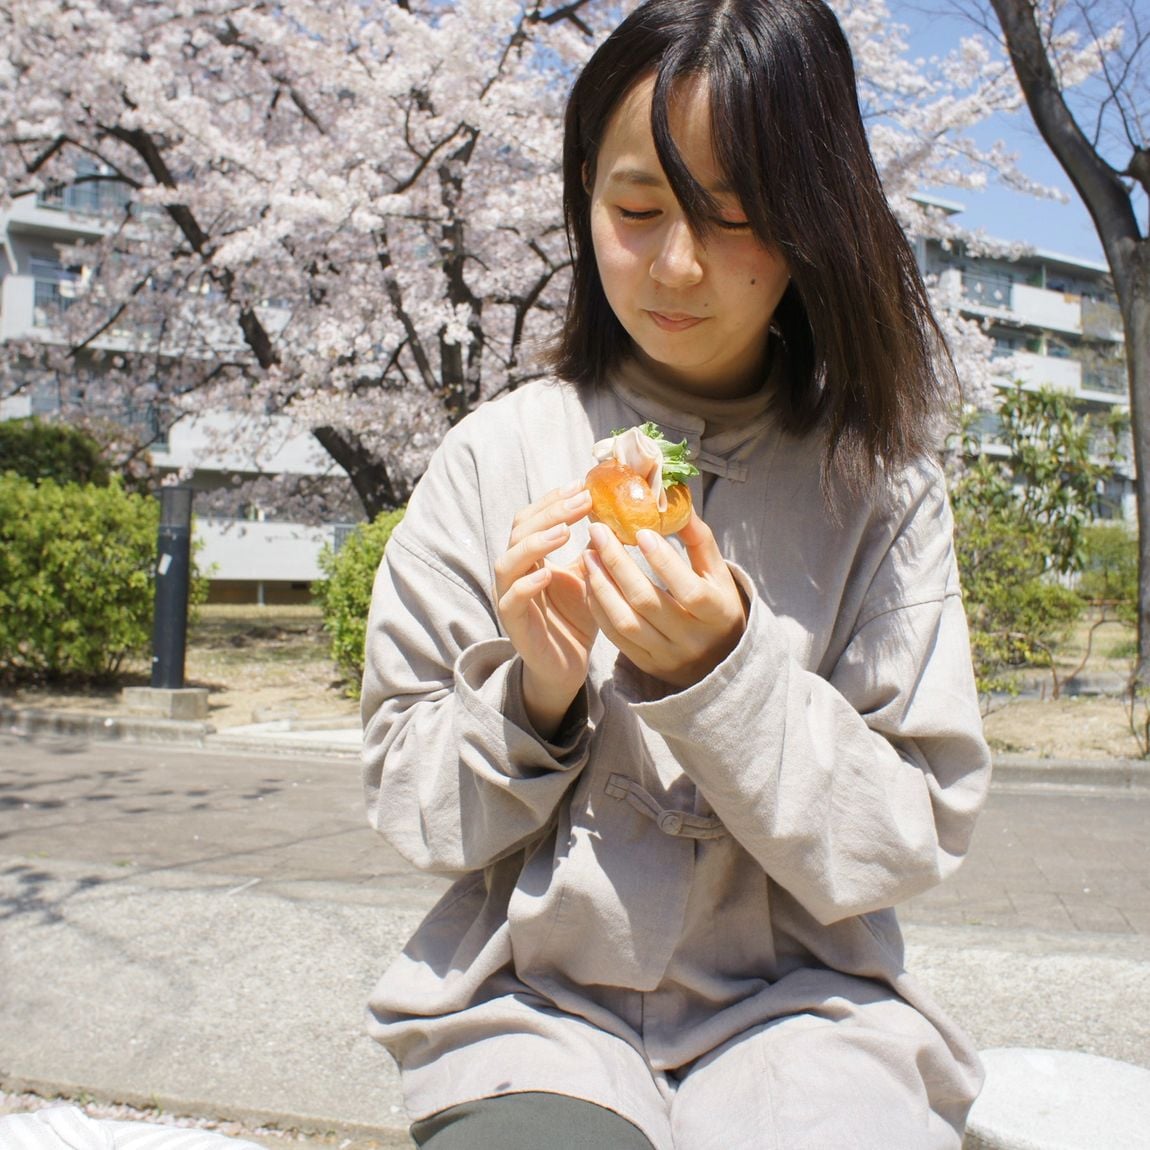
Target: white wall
[(17, 307), (237, 549), (1050, 309), (1048, 371), (230, 443)]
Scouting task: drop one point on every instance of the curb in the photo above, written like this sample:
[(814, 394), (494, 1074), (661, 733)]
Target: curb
[(1112, 774), (281, 744), (307, 738), (32, 722)]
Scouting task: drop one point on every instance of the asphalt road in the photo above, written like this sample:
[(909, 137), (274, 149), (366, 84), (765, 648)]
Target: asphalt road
[(201, 929)]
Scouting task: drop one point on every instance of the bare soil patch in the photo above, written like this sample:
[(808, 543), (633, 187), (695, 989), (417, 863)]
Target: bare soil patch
[(258, 663), (263, 664), (1066, 728)]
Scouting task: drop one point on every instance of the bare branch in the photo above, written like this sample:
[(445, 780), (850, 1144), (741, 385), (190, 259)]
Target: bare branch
[(1097, 182)]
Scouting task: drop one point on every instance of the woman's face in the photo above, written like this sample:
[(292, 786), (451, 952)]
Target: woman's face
[(698, 313)]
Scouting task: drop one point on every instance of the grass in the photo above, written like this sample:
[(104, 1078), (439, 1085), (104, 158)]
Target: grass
[(226, 634)]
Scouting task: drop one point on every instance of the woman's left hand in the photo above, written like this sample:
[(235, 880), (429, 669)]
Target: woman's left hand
[(679, 634)]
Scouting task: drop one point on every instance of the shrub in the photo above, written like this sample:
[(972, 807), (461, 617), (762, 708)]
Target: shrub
[(1021, 524), (345, 595), (76, 565), (38, 451), (1110, 568)]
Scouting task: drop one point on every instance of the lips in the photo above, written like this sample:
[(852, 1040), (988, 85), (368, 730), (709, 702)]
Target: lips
[(674, 321)]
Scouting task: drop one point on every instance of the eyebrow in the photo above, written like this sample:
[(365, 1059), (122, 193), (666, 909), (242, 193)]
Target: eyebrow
[(639, 178)]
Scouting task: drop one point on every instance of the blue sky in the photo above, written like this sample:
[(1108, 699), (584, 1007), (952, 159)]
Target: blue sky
[(1060, 227)]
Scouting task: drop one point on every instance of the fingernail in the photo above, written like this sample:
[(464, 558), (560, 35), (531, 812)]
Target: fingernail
[(556, 532), (580, 499), (648, 540)]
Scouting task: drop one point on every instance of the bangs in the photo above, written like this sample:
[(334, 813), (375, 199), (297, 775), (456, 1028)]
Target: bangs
[(737, 137)]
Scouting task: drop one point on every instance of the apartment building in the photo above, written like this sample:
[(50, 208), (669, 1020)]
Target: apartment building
[(1055, 317), (249, 556)]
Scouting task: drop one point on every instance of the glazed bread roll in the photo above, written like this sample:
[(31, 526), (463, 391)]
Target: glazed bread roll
[(640, 482)]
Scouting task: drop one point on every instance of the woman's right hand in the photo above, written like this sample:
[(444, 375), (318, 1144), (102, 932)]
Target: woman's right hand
[(544, 607)]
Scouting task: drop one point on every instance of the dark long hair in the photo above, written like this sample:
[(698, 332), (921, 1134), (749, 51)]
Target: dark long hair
[(864, 358)]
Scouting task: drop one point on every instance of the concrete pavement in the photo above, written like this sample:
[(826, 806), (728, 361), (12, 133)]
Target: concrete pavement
[(198, 927)]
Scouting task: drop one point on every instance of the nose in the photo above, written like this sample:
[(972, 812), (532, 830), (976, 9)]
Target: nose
[(677, 262)]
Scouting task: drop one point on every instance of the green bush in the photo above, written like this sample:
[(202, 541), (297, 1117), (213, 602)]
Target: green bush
[(1022, 524), (38, 451), (345, 595), (76, 566), (1110, 568)]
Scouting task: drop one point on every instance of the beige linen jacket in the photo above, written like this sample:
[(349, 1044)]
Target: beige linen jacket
[(681, 866)]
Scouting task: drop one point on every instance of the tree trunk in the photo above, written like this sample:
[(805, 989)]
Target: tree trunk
[(1136, 322), (1110, 204), (377, 490)]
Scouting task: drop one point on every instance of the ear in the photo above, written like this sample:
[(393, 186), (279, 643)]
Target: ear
[(588, 177)]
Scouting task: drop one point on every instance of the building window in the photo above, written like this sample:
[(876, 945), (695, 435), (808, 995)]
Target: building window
[(90, 197), (55, 290)]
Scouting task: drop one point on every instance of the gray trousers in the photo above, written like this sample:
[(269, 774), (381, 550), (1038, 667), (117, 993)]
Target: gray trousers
[(531, 1121)]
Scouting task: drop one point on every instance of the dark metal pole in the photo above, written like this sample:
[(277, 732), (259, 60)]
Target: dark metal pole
[(173, 572)]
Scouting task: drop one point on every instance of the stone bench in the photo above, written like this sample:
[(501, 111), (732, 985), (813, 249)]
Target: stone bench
[(1059, 1100)]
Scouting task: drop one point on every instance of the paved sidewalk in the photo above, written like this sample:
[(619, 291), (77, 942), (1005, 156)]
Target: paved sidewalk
[(199, 928)]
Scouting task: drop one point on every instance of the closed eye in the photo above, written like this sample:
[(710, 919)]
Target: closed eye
[(627, 214)]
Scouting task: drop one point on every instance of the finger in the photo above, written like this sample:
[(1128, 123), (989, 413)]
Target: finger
[(633, 584), (614, 615), (698, 595), (527, 554), (563, 505), (516, 600)]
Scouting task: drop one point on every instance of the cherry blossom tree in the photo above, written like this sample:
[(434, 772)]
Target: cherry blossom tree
[(348, 213), (343, 212)]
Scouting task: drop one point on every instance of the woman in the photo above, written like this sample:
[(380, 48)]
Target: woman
[(682, 787)]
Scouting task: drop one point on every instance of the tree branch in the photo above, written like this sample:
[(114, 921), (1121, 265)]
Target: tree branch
[(1097, 183)]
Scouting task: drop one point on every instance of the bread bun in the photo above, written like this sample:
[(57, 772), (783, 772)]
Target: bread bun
[(622, 499)]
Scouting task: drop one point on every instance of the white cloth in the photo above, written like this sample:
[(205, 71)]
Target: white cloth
[(69, 1128)]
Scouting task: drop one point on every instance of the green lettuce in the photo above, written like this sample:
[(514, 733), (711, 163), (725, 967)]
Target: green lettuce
[(677, 467)]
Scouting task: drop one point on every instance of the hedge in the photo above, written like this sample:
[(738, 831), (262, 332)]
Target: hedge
[(76, 566), (39, 451), (345, 595)]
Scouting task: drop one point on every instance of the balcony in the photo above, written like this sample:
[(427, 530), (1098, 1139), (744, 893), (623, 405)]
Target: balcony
[(987, 292), (1053, 310), (17, 307), (247, 444), (1104, 382), (1048, 371), (1101, 319), (39, 216), (31, 306), (998, 297), (1109, 379), (93, 198)]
